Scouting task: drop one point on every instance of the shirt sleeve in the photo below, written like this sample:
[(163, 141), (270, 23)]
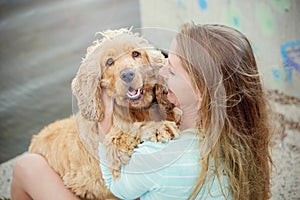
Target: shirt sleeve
[(134, 180)]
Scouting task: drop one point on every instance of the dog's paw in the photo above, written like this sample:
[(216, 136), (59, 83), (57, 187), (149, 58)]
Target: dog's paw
[(177, 115), (115, 173), (116, 158), (165, 132)]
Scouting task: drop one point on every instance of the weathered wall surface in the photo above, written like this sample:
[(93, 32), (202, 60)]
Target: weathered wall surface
[(271, 25)]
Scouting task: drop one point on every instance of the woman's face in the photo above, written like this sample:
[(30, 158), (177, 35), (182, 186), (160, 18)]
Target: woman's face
[(181, 91)]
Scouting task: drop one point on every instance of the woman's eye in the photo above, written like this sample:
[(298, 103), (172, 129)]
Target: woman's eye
[(135, 54), (109, 62)]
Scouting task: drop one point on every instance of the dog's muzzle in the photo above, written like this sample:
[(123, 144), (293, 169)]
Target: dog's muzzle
[(133, 94)]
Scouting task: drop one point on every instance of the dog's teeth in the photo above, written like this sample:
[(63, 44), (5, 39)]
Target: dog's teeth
[(134, 93)]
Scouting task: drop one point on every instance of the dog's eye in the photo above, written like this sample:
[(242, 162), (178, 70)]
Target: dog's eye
[(109, 62), (135, 54)]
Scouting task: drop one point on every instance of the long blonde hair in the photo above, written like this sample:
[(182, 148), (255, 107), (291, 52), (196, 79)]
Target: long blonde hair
[(233, 110)]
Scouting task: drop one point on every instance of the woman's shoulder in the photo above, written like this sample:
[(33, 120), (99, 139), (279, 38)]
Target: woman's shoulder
[(185, 140)]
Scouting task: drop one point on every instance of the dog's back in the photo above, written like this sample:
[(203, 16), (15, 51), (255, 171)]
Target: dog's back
[(59, 143)]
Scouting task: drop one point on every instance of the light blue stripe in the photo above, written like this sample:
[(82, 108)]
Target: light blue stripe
[(162, 171)]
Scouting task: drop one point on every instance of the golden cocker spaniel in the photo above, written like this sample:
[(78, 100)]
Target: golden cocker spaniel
[(127, 66)]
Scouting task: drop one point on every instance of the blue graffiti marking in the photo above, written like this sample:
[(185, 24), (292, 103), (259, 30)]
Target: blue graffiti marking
[(276, 74), (180, 2), (282, 74), (236, 21), (202, 4), (290, 53)]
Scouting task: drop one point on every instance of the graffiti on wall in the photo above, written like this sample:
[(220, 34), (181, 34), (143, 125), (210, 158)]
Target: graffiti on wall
[(290, 53), (265, 19), (280, 5), (265, 15), (202, 4)]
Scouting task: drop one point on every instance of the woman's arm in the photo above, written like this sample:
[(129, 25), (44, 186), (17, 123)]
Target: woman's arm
[(131, 184)]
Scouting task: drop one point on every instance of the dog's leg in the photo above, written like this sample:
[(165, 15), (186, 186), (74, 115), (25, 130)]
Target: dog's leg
[(119, 147), (177, 115), (162, 131)]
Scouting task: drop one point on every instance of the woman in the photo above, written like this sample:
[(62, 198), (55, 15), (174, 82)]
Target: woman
[(222, 152)]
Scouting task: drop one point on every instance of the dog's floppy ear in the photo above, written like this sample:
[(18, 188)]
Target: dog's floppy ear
[(156, 58), (86, 87)]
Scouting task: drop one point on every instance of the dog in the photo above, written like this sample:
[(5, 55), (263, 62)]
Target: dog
[(127, 66)]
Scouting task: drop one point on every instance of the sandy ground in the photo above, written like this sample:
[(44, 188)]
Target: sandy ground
[(286, 147)]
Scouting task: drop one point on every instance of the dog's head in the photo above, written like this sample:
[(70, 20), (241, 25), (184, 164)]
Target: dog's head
[(124, 63)]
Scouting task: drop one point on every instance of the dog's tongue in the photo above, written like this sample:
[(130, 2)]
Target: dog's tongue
[(132, 92)]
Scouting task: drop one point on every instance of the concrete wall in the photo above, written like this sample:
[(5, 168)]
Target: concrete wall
[(273, 27)]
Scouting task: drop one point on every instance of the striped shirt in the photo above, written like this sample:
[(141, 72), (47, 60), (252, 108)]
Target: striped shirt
[(162, 171)]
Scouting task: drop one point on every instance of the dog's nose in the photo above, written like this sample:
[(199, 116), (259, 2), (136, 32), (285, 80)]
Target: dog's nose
[(127, 75)]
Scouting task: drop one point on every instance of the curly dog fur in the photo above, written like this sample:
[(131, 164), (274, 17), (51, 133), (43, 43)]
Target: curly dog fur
[(127, 66)]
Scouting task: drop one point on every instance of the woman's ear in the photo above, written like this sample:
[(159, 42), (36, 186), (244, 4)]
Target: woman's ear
[(87, 89)]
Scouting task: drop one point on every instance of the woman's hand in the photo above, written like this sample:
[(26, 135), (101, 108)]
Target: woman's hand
[(106, 123)]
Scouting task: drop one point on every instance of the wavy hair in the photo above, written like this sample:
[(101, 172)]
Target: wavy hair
[(233, 111)]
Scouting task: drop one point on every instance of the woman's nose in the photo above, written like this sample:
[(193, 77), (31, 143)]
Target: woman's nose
[(164, 71)]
